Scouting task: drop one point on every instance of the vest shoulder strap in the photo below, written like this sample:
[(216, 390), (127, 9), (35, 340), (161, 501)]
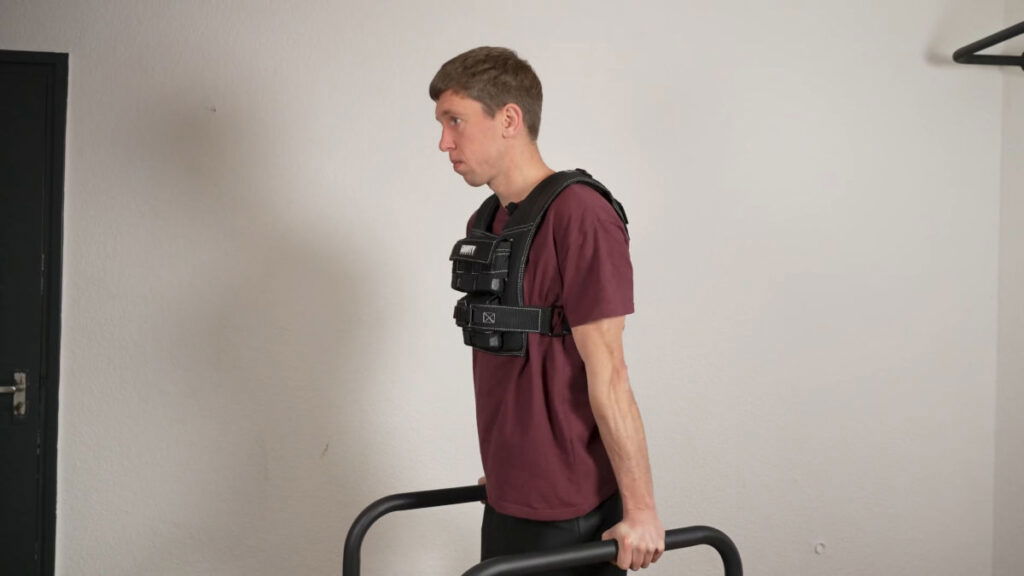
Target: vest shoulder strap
[(485, 214), (531, 210)]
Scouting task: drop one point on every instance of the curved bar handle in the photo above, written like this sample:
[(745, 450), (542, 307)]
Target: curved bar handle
[(606, 551), (395, 502), (530, 562)]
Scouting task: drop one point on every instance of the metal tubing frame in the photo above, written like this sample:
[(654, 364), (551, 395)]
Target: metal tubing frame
[(967, 54), (530, 562)]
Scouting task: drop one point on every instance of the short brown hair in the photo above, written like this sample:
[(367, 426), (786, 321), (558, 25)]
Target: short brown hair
[(493, 77)]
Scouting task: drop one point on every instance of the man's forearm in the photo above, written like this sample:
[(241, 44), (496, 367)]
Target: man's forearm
[(622, 432)]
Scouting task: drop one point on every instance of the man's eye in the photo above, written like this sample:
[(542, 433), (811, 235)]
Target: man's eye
[(455, 121)]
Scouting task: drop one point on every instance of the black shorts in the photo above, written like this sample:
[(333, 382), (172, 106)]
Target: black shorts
[(501, 534)]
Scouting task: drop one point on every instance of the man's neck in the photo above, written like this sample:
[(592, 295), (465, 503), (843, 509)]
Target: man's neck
[(520, 177)]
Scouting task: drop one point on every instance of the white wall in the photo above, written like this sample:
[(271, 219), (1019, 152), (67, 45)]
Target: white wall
[(1009, 472), (257, 336)]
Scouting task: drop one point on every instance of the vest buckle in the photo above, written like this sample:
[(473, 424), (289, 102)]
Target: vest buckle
[(559, 325)]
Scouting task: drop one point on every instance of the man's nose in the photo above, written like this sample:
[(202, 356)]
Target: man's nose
[(446, 142)]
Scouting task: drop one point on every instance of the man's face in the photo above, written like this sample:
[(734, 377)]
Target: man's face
[(472, 139)]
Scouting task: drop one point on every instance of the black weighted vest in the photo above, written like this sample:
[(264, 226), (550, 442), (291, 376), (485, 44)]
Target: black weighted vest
[(490, 268)]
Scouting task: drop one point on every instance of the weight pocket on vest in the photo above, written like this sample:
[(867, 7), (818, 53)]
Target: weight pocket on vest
[(490, 341), (480, 265)]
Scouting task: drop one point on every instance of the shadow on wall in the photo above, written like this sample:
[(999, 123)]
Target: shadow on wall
[(262, 375)]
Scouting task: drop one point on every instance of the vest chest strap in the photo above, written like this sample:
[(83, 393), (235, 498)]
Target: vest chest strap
[(549, 321)]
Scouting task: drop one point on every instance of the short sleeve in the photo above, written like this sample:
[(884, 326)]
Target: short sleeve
[(592, 247)]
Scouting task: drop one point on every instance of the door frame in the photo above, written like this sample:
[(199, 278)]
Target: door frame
[(52, 273)]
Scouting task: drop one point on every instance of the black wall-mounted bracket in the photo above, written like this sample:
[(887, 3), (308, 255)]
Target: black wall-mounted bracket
[(969, 54)]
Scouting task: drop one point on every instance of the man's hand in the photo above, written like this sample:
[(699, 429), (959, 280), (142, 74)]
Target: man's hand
[(641, 539), (482, 480)]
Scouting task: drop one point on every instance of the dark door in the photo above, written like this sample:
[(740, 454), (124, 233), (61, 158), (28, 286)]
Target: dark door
[(33, 89)]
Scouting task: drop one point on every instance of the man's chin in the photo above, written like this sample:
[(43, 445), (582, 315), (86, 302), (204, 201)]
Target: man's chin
[(475, 183)]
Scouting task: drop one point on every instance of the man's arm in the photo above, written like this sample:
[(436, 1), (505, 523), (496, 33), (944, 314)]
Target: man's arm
[(640, 535)]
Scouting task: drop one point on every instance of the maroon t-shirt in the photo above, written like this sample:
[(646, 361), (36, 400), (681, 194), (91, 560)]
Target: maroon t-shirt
[(541, 449)]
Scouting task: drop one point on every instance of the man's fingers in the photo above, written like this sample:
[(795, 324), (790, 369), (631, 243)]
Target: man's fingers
[(648, 558), (638, 558), (632, 554), (625, 559)]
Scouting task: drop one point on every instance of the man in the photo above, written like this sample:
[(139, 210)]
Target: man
[(562, 441)]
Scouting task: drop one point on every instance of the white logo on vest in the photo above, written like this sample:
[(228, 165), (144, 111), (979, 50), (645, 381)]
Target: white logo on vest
[(467, 250), (488, 318)]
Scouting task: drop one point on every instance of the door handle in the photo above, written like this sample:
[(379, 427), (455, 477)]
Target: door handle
[(20, 384)]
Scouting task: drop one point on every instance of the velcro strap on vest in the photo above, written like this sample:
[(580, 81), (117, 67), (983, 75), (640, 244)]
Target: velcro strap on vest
[(548, 321)]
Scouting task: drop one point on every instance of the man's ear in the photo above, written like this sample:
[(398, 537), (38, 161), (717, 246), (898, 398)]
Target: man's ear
[(511, 120)]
